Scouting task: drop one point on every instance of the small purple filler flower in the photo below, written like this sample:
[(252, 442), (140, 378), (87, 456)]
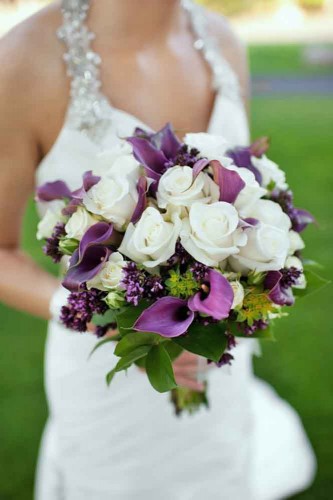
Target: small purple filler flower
[(80, 308), (51, 248)]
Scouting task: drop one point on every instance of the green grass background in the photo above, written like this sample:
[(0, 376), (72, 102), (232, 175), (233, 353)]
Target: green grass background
[(299, 365)]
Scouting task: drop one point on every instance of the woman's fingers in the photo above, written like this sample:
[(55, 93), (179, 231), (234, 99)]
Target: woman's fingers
[(190, 384)]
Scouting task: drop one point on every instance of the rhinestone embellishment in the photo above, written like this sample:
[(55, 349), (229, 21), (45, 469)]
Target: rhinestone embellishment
[(89, 110)]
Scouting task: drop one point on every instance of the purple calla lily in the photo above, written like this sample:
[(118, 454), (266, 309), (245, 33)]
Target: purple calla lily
[(83, 269), (199, 166), (168, 317), (90, 257), (229, 181), (142, 188), (50, 191), (281, 295), (89, 180), (217, 300), (155, 150), (98, 234)]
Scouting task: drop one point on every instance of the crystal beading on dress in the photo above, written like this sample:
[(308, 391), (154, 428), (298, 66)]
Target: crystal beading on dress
[(90, 111)]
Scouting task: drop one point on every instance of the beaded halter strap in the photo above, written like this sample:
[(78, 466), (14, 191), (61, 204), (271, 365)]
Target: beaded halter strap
[(90, 111)]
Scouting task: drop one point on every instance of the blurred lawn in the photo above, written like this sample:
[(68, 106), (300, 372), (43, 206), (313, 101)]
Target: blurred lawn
[(299, 365)]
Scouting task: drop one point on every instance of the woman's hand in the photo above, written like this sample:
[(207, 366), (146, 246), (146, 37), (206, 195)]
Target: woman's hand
[(186, 368)]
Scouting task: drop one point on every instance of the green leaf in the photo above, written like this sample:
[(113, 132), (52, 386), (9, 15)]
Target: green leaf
[(314, 284), (102, 342), (127, 318), (103, 319), (159, 369), (133, 340), (126, 361), (207, 341), (173, 349), (110, 375)]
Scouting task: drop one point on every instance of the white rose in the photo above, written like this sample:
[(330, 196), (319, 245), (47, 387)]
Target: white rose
[(239, 294), (52, 216), (296, 242), (252, 191), (270, 172), (118, 161), (177, 187), (110, 276), (114, 199), (211, 233), (152, 240), (266, 250), (78, 223), (209, 145), (297, 263), (270, 213)]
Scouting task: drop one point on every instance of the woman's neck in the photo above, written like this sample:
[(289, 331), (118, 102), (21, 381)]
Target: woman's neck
[(137, 21)]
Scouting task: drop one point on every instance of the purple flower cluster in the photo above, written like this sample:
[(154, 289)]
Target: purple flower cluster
[(80, 308), (299, 218), (51, 248), (290, 277), (139, 285), (180, 256), (184, 157), (199, 271), (258, 324)]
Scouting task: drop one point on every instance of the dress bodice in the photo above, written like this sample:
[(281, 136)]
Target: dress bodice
[(92, 124)]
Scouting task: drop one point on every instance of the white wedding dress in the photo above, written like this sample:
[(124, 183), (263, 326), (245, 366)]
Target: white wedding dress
[(123, 442)]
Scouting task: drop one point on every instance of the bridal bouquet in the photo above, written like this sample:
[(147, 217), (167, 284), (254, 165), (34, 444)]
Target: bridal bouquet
[(177, 246)]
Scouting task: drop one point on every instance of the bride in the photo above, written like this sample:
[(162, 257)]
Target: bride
[(151, 62)]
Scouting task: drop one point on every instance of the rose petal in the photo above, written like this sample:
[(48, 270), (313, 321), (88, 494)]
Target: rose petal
[(168, 317), (218, 302), (229, 181)]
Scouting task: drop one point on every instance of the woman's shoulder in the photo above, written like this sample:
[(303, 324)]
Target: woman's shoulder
[(32, 71)]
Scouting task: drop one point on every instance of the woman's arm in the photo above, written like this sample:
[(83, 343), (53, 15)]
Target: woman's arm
[(23, 285)]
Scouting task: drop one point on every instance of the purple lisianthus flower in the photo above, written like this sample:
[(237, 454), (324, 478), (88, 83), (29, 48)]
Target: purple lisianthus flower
[(168, 317), (216, 297), (258, 324)]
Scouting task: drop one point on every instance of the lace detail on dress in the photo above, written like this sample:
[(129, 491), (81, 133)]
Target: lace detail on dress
[(224, 78), (89, 110)]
